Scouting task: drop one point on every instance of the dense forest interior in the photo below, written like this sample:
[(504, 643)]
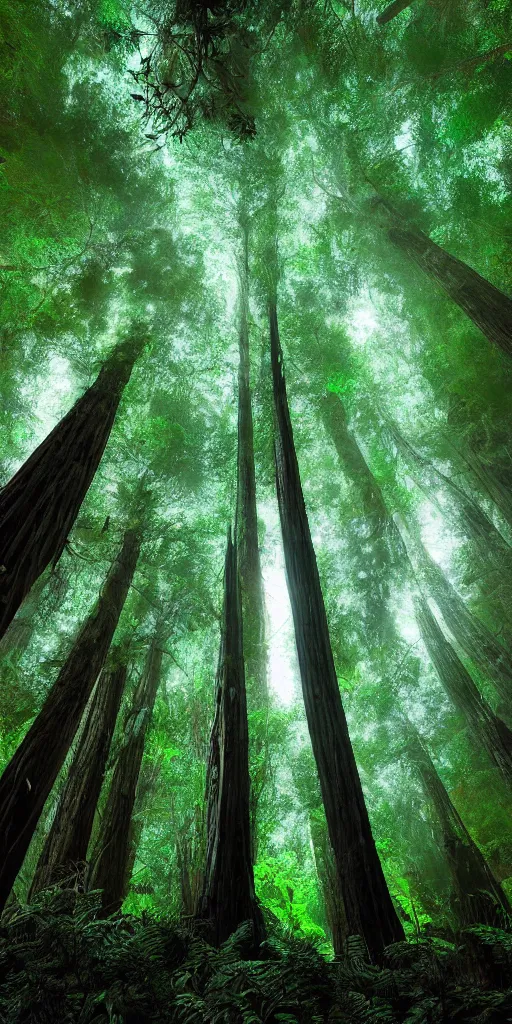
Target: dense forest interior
[(255, 511)]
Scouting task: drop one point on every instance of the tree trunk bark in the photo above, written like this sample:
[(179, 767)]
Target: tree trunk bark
[(29, 777), (478, 643), (328, 878), (484, 304), (65, 850), (368, 906), (40, 503), (392, 10), (112, 849), (477, 893), (487, 728), (19, 633), (228, 896), (251, 582), (145, 789)]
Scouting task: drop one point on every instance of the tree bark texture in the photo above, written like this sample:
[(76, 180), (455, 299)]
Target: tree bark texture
[(477, 894), (478, 643), (328, 878), (29, 777), (488, 730), (40, 503), (484, 304), (112, 849), (228, 897), (65, 850), (392, 10), (251, 582), (368, 905)]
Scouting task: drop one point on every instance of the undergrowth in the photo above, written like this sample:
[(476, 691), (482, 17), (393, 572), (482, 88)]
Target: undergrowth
[(61, 963)]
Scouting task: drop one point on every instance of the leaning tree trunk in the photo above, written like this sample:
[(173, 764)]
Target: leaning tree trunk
[(484, 304), (19, 633), (368, 905), (39, 505), (29, 777), (65, 850), (228, 896), (112, 849), (487, 728), (477, 893), (392, 10), (478, 643)]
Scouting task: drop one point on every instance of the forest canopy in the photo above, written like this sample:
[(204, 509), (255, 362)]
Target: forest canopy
[(255, 511)]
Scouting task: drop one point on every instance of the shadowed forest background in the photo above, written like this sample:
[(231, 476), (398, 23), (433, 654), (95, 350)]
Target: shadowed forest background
[(256, 511)]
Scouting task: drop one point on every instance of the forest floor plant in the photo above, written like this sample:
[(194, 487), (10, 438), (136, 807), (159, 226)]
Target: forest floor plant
[(62, 961)]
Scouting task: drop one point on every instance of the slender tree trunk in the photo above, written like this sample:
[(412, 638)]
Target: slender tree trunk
[(19, 633), (39, 505), (251, 582), (112, 849), (487, 728), (392, 10), (228, 896), (145, 789), (65, 850), (489, 480), (328, 878), (484, 304), (478, 643), (29, 777), (477, 893), (368, 906)]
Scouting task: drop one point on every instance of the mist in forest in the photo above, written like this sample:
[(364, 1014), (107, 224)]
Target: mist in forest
[(255, 512)]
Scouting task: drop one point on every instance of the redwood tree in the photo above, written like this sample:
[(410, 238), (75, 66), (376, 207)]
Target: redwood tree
[(368, 905), (40, 503), (487, 728), (477, 893), (65, 849), (28, 778), (111, 854), (228, 896)]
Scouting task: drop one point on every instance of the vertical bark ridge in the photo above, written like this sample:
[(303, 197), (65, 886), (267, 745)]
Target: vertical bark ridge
[(29, 777), (368, 905), (112, 849), (228, 897), (40, 503), (65, 849)]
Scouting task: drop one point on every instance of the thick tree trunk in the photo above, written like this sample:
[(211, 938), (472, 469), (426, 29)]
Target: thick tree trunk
[(487, 728), (228, 896), (39, 505), (65, 850), (478, 643), (29, 777), (477, 893), (253, 603), (484, 304), (368, 906), (392, 10), (112, 849)]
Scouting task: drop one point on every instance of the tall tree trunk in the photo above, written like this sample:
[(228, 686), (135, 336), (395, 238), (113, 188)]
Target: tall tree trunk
[(146, 785), (478, 643), (484, 304), (477, 893), (487, 728), (328, 878), (368, 905), (228, 896), (392, 10), (19, 633), (251, 582), (39, 505), (491, 482), (112, 849), (29, 777), (65, 850)]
